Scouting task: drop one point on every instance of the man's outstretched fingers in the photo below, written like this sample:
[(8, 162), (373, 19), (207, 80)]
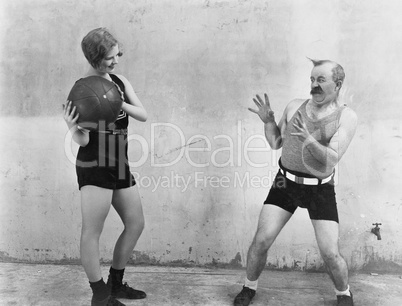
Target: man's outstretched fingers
[(257, 103), (266, 99), (260, 100)]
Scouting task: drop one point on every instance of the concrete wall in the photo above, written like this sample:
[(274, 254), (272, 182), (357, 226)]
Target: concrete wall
[(200, 160)]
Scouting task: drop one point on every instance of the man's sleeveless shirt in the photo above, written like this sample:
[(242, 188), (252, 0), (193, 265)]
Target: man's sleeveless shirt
[(296, 156)]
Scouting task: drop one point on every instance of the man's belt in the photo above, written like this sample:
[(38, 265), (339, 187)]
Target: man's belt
[(305, 180)]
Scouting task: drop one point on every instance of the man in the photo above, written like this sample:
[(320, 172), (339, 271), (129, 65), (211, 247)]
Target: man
[(313, 134)]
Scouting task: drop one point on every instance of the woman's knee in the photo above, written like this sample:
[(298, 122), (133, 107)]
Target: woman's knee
[(141, 224), (90, 232), (135, 225)]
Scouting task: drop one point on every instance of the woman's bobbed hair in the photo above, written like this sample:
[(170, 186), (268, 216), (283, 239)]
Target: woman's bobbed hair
[(96, 44)]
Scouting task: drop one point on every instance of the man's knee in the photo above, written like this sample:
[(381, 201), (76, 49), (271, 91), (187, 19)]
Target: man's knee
[(262, 242), (331, 257)]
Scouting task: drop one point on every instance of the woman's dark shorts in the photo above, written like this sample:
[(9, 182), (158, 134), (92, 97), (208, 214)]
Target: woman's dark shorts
[(103, 162), (319, 200), (105, 177)]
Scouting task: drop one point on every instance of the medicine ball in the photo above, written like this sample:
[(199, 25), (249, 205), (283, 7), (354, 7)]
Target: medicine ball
[(97, 100)]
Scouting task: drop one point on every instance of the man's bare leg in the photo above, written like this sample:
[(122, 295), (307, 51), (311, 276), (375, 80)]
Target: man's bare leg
[(272, 220), (327, 234)]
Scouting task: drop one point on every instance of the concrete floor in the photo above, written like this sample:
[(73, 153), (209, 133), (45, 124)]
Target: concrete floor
[(28, 284)]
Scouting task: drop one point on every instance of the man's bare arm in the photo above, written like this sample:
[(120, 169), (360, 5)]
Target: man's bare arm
[(330, 155), (273, 132)]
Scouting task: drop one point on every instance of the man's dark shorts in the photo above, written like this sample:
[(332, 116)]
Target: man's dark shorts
[(319, 200)]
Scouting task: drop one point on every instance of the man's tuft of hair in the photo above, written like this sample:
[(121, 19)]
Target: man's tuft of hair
[(338, 74)]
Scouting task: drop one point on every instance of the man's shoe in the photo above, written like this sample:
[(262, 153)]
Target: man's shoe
[(345, 300), (244, 297), (109, 301), (124, 291)]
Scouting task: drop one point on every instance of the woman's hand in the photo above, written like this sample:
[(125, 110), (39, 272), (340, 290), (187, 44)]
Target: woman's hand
[(70, 117), (80, 135)]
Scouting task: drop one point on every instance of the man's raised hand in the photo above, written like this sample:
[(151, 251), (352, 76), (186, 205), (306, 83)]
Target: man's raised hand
[(264, 109)]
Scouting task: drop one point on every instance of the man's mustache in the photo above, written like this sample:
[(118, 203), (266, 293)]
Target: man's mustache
[(316, 90)]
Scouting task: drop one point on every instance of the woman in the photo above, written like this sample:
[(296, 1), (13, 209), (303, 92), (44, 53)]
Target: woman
[(104, 177)]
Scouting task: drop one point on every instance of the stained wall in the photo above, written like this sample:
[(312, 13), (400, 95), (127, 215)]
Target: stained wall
[(201, 162)]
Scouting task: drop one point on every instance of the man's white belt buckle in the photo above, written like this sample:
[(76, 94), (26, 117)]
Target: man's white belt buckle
[(305, 180)]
